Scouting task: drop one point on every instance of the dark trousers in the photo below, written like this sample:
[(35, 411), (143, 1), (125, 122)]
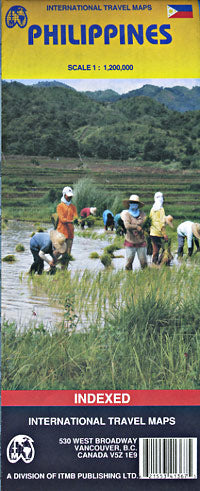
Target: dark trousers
[(38, 264), (181, 244), (156, 244)]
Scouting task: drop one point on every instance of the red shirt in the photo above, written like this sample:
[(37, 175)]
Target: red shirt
[(85, 212)]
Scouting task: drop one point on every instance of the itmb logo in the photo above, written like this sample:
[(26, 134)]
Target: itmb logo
[(20, 447), (16, 16)]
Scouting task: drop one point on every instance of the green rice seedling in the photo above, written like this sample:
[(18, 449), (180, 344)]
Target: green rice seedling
[(147, 224), (106, 260), (138, 326), (4, 225), (110, 249), (10, 258), (94, 255), (20, 248), (33, 233), (90, 221)]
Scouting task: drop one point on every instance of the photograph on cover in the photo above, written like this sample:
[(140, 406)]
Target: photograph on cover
[(100, 234)]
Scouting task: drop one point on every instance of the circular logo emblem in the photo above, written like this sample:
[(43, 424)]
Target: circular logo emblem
[(16, 15), (20, 447)]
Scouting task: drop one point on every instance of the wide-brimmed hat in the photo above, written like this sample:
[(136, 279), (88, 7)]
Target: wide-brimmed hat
[(169, 220), (59, 241), (67, 191), (196, 230), (93, 210), (135, 198)]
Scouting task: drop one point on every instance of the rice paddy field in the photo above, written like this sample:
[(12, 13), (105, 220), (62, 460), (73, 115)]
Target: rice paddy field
[(27, 180), (142, 329)]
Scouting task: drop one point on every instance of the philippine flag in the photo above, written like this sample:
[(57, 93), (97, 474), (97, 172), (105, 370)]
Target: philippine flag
[(180, 11)]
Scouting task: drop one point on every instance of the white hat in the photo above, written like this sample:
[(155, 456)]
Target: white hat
[(158, 195), (67, 191), (59, 241), (93, 211)]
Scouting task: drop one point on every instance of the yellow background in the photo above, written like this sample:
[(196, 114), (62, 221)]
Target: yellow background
[(180, 59)]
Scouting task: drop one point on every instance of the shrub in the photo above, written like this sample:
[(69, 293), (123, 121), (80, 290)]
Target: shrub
[(87, 193)]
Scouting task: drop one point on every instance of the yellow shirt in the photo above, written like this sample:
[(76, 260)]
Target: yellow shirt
[(158, 222)]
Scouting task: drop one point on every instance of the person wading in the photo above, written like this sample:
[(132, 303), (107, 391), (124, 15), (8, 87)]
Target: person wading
[(67, 212), (188, 230), (42, 244), (85, 213), (157, 229), (133, 219), (108, 219)]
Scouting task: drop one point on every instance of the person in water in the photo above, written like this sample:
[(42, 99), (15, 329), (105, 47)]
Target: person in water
[(135, 242), (67, 212)]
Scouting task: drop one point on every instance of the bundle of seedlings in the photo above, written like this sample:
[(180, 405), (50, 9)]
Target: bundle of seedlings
[(20, 248), (146, 227), (10, 258), (106, 260), (165, 256)]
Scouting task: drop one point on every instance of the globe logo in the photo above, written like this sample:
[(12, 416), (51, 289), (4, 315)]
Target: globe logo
[(16, 15), (20, 447)]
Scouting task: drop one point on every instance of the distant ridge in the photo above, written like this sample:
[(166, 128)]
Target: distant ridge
[(177, 98), (54, 83)]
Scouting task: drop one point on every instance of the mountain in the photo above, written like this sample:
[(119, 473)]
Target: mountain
[(103, 95), (177, 98), (61, 122), (54, 83)]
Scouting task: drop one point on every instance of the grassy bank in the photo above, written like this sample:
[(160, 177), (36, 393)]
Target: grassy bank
[(141, 332)]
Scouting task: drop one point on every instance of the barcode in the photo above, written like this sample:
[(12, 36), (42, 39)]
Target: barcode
[(168, 458)]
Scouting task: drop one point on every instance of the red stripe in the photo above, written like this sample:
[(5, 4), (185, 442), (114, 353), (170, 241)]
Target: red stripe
[(67, 398), (182, 15)]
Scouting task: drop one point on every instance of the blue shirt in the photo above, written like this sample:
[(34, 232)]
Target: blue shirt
[(105, 216), (117, 220), (41, 242)]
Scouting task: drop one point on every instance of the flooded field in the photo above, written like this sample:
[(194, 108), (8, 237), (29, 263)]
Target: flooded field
[(27, 306), (18, 301)]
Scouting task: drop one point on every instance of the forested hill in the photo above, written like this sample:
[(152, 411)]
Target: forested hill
[(177, 98), (56, 120)]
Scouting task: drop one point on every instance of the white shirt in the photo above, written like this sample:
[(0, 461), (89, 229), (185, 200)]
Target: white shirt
[(185, 230)]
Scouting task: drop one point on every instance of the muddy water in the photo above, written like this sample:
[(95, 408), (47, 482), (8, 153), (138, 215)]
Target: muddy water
[(18, 301)]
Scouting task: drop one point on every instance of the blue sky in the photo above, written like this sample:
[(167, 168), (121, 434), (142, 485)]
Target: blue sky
[(120, 85)]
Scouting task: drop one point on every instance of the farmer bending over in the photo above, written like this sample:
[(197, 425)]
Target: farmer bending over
[(42, 244), (157, 229), (186, 230), (67, 212), (108, 219), (119, 224), (133, 220), (86, 212)]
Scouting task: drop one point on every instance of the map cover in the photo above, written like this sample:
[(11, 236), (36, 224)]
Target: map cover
[(100, 245)]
